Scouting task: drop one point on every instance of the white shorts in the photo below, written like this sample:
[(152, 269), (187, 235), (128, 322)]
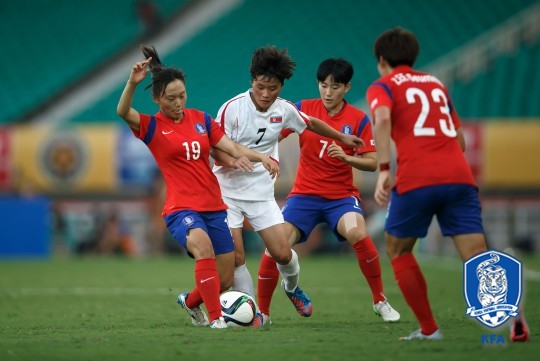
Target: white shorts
[(261, 214)]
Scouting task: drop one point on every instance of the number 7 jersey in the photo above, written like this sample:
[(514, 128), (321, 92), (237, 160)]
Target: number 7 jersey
[(259, 131), (424, 124)]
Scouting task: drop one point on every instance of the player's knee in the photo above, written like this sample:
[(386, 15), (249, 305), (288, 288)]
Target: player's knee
[(394, 250), (356, 234), (239, 258), (283, 257), (203, 250)]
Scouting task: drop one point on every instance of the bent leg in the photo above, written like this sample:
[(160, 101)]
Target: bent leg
[(352, 227)]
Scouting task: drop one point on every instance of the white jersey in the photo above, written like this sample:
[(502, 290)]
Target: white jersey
[(259, 131)]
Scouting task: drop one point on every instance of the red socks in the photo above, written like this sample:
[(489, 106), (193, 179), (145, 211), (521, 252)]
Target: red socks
[(368, 260), (207, 288), (413, 286), (267, 282)]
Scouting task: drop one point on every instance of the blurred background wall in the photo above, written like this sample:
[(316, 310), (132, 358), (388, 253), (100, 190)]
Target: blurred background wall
[(74, 180)]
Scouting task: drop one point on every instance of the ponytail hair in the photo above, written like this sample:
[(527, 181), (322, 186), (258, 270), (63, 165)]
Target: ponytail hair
[(161, 74)]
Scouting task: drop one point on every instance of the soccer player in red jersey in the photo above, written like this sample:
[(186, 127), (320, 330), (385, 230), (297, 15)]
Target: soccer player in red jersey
[(180, 140), (433, 178), (324, 191)]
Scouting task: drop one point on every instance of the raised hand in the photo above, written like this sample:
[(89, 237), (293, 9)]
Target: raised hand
[(139, 71)]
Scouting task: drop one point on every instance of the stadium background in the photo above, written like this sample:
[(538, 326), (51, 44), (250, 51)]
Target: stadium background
[(68, 164)]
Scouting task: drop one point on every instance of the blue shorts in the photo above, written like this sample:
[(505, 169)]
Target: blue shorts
[(456, 206), (305, 212), (213, 223)]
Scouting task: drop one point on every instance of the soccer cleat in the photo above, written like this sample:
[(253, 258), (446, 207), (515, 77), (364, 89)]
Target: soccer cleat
[(300, 300), (198, 317), (418, 335), (519, 331), (260, 320), (218, 323), (386, 312)]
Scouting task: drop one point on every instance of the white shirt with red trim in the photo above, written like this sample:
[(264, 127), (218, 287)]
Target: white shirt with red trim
[(259, 131)]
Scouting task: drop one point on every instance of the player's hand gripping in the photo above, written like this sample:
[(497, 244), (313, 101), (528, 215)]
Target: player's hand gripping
[(352, 141), (243, 164), (272, 167), (383, 188), (139, 71)]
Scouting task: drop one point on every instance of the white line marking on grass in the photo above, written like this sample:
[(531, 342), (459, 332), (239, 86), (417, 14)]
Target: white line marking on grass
[(85, 291)]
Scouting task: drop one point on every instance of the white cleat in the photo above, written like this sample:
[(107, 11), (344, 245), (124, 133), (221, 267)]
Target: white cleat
[(386, 312), (198, 317), (218, 323), (266, 319), (418, 335)]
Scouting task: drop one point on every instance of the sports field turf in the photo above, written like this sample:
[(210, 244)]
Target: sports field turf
[(118, 309)]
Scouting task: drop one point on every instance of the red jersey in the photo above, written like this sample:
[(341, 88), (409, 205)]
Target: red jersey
[(424, 124), (318, 174), (182, 152)]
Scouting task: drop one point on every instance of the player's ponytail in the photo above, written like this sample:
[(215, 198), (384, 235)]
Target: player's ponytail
[(150, 51), (161, 74)]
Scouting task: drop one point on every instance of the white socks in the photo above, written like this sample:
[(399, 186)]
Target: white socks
[(242, 281), (289, 272)]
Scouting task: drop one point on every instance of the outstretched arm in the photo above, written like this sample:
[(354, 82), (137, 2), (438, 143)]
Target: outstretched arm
[(124, 109), (318, 126)]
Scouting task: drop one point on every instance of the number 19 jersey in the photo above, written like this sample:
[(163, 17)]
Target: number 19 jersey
[(424, 124), (259, 131)]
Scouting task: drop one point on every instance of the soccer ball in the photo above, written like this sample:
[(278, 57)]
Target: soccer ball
[(237, 308)]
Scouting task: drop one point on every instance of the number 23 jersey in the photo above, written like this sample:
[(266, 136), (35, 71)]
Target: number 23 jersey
[(424, 124)]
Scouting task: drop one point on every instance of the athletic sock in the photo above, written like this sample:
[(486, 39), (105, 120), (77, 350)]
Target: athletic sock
[(413, 286), (368, 260), (243, 281), (290, 272), (207, 280), (267, 282)]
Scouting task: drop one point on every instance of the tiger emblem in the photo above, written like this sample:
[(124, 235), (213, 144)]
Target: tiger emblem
[(493, 284)]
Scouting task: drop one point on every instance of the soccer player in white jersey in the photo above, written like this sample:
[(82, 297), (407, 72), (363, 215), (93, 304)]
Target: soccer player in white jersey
[(255, 119)]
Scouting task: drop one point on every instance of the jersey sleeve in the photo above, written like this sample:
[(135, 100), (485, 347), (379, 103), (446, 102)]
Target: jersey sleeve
[(365, 132), (144, 120), (296, 120), (286, 132), (379, 94), (216, 133)]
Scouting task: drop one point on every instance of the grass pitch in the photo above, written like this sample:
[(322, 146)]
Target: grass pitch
[(119, 309)]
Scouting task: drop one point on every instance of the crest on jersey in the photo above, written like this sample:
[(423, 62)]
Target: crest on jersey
[(276, 119), (188, 221), (201, 129), (347, 129), (492, 284)]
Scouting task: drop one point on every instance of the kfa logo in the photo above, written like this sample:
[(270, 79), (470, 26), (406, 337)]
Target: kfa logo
[(492, 286), (346, 129), (188, 221), (492, 339), (200, 128)]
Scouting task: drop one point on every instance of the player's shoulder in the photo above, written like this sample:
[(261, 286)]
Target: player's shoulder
[(310, 103)]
